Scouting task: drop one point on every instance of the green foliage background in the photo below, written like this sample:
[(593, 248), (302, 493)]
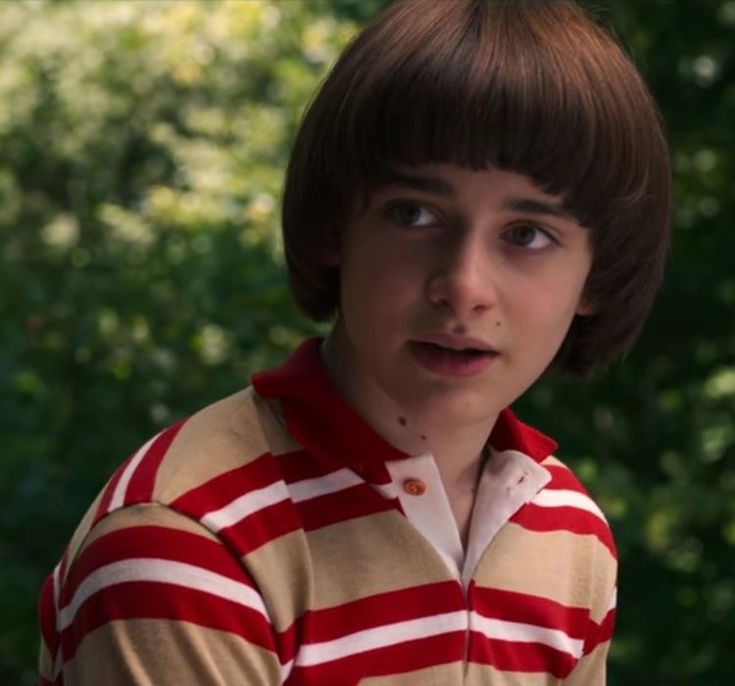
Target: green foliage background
[(142, 145)]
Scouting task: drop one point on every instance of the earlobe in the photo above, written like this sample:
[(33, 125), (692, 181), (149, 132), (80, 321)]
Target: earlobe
[(585, 308)]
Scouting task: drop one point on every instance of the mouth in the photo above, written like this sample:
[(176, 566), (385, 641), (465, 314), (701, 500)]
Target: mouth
[(453, 359), (460, 352)]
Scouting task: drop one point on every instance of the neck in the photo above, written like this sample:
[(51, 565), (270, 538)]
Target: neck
[(457, 448)]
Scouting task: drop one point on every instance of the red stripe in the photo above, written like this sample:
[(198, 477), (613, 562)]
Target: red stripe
[(153, 542), (140, 486), (104, 506), (514, 656), (600, 633), (299, 465), (155, 600), (63, 567), (225, 488), (324, 625), (378, 610), (529, 609), (406, 656), (565, 518), (47, 615), (288, 643), (607, 628), (261, 527), (302, 464), (361, 500), (562, 478)]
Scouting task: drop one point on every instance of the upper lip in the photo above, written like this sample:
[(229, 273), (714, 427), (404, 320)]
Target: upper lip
[(456, 342)]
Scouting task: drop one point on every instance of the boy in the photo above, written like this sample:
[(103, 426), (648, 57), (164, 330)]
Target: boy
[(479, 190)]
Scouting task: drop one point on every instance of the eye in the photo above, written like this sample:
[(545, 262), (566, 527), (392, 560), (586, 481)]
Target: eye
[(530, 237), (408, 213)]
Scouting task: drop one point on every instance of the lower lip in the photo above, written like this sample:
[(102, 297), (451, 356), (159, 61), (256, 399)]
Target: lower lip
[(441, 361)]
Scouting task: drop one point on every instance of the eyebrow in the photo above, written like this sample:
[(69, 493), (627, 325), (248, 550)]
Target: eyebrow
[(535, 206), (433, 184)]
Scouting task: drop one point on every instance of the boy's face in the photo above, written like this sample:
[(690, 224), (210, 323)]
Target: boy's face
[(457, 289)]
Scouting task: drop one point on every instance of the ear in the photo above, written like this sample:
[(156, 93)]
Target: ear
[(585, 307)]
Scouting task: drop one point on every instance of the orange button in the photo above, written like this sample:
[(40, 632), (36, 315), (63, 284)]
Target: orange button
[(414, 487)]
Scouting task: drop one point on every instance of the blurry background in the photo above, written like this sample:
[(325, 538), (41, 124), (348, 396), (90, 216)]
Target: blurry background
[(142, 145)]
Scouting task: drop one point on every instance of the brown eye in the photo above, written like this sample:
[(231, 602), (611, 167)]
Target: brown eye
[(529, 236), (412, 214)]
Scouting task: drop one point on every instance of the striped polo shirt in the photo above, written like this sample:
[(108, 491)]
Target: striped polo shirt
[(275, 538)]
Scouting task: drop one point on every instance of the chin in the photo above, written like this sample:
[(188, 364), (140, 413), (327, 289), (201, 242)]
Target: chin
[(443, 407)]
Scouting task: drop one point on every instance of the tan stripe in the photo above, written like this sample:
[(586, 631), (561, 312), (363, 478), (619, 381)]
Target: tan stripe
[(45, 662), (82, 530), (441, 675), (273, 426), (149, 651), (369, 555), (282, 571), (145, 514), (486, 674), (576, 571), (219, 438), (553, 461), (343, 562), (590, 670)]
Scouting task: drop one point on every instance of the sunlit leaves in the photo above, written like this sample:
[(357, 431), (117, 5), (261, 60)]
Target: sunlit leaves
[(142, 149)]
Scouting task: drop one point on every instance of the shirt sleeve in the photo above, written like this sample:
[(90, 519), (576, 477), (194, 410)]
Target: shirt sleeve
[(154, 598), (591, 670)]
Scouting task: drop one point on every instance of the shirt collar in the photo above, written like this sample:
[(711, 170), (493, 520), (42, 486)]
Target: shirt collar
[(324, 424)]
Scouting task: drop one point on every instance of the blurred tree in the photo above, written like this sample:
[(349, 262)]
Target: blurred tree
[(142, 146)]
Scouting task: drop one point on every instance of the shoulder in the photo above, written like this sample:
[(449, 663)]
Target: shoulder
[(150, 586), (188, 463), (565, 522), (565, 503), (572, 541), (225, 436)]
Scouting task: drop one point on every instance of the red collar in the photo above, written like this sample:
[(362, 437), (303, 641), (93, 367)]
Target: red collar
[(324, 424)]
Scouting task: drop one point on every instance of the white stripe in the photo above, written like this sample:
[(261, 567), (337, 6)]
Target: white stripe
[(527, 633), (165, 571), (298, 491), (381, 636), (564, 498), (56, 586), (245, 505), (286, 671), (322, 485), (118, 497), (613, 601), (58, 663), (58, 660)]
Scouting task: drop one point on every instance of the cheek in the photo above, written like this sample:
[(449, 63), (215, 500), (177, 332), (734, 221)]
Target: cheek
[(383, 275), (545, 313)]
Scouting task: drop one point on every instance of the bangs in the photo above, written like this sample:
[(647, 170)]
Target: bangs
[(535, 87), (488, 88)]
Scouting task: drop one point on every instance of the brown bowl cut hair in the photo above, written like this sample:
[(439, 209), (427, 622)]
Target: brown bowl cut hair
[(531, 86)]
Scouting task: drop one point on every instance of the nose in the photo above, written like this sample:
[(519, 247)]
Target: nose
[(463, 281)]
